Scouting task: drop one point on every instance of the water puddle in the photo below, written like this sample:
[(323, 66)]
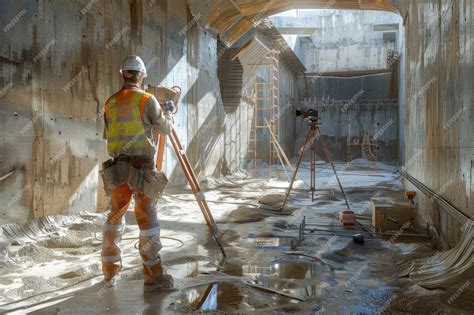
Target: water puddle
[(297, 276), (267, 243), (190, 267), (228, 297)]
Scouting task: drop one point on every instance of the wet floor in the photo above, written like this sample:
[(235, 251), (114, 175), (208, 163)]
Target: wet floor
[(269, 271)]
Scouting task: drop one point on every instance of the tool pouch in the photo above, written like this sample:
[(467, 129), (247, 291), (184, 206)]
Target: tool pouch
[(114, 174), (154, 184), (150, 182)]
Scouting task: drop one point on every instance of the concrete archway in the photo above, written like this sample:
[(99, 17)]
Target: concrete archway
[(231, 19)]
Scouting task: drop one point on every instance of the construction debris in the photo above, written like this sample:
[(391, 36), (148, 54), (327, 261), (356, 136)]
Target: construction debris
[(441, 269)]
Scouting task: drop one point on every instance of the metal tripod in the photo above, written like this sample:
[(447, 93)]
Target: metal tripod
[(193, 182), (312, 136)]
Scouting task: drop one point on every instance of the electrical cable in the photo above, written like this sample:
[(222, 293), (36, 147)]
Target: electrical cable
[(213, 201), (136, 238)]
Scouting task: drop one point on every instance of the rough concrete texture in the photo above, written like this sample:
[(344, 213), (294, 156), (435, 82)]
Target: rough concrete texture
[(251, 55), (359, 123), (344, 40), (439, 127), (59, 64), (232, 19), (436, 64), (326, 272), (58, 69), (354, 109), (357, 88)]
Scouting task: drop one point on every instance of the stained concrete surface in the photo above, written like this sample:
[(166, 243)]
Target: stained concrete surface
[(439, 107), (50, 131), (343, 40), (330, 272)]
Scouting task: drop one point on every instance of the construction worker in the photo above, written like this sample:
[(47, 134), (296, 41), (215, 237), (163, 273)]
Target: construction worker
[(131, 116)]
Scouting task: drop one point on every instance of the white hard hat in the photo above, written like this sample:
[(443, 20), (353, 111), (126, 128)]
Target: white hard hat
[(134, 63)]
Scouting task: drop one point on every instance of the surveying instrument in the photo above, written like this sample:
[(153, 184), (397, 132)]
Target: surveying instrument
[(313, 134), (164, 95)]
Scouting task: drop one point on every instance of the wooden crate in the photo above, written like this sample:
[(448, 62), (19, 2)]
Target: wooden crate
[(402, 213)]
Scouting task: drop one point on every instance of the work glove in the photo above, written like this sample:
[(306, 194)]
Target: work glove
[(169, 107)]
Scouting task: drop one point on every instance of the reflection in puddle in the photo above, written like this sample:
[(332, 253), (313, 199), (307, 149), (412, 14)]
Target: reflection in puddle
[(268, 243), (297, 277), (297, 269), (189, 267), (216, 296), (230, 297)]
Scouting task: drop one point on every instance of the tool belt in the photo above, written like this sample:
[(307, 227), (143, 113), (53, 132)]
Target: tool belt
[(138, 172)]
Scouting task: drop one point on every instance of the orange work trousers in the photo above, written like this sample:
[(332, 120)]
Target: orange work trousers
[(149, 241)]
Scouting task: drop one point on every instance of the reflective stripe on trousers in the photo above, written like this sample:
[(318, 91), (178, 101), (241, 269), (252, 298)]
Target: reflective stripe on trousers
[(149, 240)]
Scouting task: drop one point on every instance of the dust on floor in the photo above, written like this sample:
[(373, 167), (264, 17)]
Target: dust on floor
[(268, 270)]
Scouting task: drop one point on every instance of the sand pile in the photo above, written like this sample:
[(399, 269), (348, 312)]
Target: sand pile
[(272, 200)]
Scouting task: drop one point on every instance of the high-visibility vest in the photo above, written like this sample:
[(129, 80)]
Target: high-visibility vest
[(125, 132)]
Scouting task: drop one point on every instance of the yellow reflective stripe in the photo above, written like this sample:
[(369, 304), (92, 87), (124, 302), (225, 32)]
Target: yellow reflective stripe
[(126, 132)]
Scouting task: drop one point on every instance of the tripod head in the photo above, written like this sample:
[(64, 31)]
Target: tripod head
[(310, 115)]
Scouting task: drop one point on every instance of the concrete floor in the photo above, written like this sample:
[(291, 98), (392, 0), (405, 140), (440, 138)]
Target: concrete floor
[(325, 273)]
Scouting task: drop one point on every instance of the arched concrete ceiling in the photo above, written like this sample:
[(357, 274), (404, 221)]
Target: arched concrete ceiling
[(233, 18)]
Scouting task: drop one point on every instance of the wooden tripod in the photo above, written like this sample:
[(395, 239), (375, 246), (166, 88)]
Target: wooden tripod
[(312, 136), (193, 182)]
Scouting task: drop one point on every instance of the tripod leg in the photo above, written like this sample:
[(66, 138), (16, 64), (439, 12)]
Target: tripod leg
[(161, 151), (326, 152), (200, 198), (300, 158), (313, 167)]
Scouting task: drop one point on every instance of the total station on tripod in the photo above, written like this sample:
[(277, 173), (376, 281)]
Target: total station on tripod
[(310, 115)]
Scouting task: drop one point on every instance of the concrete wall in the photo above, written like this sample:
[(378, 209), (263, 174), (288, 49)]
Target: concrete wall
[(439, 126), (59, 63), (368, 87), (289, 94), (343, 40), (353, 110), (250, 58)]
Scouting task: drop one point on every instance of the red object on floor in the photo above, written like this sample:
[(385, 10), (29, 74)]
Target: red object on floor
[(347, 218)]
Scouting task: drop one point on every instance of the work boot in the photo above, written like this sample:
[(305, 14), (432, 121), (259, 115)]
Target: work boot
[(164, 282)]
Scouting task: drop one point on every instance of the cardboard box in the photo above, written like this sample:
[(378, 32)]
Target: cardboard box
[(403, 213)]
